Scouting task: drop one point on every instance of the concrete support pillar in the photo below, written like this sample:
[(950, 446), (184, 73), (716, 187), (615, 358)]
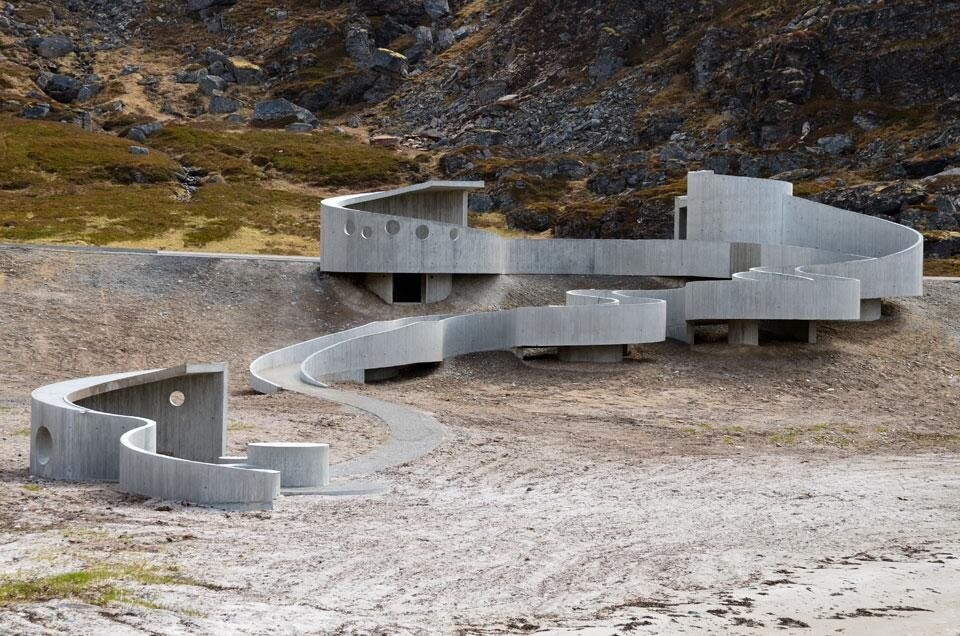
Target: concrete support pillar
[(381, 285), (743, 332), (438, 287), (593, 353), (801, 330), (870, 309)]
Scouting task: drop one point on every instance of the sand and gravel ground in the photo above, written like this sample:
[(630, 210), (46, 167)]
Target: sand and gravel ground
[(787, 488)]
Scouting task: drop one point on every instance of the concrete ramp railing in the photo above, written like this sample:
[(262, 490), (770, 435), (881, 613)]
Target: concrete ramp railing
[(772, 257), (596, 320), (144, 472)]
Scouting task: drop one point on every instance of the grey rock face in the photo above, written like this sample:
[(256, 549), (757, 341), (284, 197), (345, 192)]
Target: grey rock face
[(210, 83), (436, 9), (62, 88), (138, 150), (36, 111), (90, 88), (299, 127), (140, 132), (357, 45), (480, 202), (529, 220), (279, 112), (306, 37), (52, 47), (221, 104), (445, 39), (422, 45), (874, 199), (245, 72), (201, 5), (189, 77), (388, 61), (835, 144)]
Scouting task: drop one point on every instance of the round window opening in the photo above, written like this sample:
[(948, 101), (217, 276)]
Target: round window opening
[(44, 442), (454, 234), (177, 398), (422, 232), (366, 232), (393, 226), (349, 228)]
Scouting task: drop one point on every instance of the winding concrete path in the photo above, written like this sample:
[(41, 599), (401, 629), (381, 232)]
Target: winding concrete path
[(413, 433)]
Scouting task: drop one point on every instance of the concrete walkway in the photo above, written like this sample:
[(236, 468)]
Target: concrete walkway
[(413, 434)]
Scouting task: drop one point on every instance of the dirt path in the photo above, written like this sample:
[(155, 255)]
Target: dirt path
[(703, 489)]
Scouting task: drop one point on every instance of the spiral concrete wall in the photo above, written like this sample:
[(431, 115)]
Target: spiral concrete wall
[(780, 262), (162, 434)]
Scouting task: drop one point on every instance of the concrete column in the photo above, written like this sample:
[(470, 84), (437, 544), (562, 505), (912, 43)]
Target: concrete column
[(594, 353), (870, 309), (438, 287), (743, 332), (381, 285), (300, 463)]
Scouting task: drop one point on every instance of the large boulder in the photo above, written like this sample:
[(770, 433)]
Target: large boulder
[(35, 111), (209, 84), (436, 9), (391, 62), (357, 45), (140, 132), (62, 88), (244, 71), (221, 104), (277, 113), (53, 46), (422, 45)]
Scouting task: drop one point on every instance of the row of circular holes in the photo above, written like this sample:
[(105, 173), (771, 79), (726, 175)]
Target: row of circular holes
[(392, 227)]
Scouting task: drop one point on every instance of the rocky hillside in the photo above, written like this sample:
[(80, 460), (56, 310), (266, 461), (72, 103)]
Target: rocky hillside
[(582, 116)]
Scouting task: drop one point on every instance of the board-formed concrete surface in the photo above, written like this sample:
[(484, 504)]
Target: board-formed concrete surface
[(162, 434), (781, 263)]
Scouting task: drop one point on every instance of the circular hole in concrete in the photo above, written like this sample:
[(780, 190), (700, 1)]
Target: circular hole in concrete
[(393, 226), (366, 232), (423, 232), (454, 234), (177, 398), (349, 228), (44, 442)]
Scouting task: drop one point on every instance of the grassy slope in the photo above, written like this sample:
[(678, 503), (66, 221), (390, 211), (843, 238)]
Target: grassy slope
[(62, 184)]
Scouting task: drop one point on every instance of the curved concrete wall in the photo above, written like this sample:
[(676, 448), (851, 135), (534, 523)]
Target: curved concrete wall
[(778, 258), (159, 433), (597, 321)]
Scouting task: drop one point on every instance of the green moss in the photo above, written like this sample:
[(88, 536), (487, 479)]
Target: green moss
[(31, 149), (103, 214), (90, 585), (321, 158)]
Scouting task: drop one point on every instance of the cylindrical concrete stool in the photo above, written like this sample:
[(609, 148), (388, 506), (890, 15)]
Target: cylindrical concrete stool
[(300, 463)]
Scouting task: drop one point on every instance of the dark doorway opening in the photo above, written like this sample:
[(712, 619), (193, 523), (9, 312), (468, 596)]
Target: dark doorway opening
[(682, 223), (408, 288)]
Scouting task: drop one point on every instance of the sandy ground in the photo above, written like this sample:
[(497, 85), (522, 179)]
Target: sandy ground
[(788, 488)]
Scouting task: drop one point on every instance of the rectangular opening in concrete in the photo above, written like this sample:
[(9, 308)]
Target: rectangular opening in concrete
[(682, 223), (408, 288)]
